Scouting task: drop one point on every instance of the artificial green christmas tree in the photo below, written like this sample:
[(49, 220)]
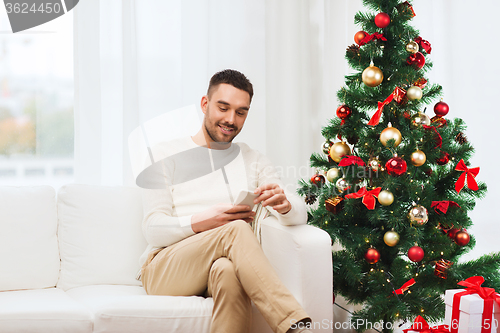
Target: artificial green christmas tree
[(394, 186)]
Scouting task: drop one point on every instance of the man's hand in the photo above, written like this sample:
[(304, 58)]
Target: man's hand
[(219, 215), (274, 196)]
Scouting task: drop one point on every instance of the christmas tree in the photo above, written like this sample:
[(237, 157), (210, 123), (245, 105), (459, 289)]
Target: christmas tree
[(394, 186)]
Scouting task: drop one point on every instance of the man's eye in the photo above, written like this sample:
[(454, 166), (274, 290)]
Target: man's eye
[(241, 113), (222, 109)]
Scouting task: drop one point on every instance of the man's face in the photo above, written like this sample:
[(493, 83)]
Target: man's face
[(225, 112)]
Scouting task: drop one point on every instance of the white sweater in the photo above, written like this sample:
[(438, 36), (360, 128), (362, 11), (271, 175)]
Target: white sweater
[(168, 210)]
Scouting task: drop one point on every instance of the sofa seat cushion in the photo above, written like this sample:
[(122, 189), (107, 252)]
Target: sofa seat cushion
[(123, 309), (42, 310)]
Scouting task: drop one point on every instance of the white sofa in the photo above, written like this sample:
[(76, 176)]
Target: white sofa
[(68, 264)]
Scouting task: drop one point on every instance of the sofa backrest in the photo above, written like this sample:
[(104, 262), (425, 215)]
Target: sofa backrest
[(100, 235), (29, 254)]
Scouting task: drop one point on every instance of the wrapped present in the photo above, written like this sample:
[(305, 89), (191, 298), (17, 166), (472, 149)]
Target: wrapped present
[(475, 309), (420, 326)]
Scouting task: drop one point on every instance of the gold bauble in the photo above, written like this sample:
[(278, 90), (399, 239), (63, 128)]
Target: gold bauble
[(420, 119), (414, 93), (385, 198), (372, 76), (412, 47), (342, 184), (418, 214), (333, 174), (374, 164), (339, 149), (390, 133), (326, 147), (418, 158), (391, 238)]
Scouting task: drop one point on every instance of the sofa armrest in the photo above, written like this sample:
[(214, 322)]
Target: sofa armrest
[(302, 257)]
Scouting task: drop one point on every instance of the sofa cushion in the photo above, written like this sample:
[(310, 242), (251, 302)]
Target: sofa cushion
[(100, 235), (42, 310), (29, 254), (124, 309)]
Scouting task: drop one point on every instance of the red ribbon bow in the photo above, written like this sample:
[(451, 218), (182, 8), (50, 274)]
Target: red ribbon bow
[(470, 174), (443, 205), (368, 196), (404, 287), (420, 325), (473, 286), (376, 117), (350, 160), (369, 38), (422, 43), (439, 139)]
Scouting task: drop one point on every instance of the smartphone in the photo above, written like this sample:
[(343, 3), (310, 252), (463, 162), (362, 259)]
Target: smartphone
[(245, 198)]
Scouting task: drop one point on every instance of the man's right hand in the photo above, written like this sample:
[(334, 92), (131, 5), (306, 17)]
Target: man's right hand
[(219, 215)]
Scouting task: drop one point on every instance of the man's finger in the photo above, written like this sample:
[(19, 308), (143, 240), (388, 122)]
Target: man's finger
[(238, 208), (264, 187), (267, 194)]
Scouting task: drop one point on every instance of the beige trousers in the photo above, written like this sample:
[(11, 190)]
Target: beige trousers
[(228, 264)]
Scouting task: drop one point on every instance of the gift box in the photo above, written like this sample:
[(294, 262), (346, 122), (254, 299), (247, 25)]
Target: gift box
[(471, 314)]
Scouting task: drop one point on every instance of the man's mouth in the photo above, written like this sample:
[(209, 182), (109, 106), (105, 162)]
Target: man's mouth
[(226, 130)]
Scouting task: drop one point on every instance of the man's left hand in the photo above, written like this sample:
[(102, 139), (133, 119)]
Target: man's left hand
[(274, 196)]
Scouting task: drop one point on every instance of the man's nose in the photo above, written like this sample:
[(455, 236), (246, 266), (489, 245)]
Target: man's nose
[(230, 117)]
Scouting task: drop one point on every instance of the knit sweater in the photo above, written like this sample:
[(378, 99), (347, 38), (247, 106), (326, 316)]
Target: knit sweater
[(195, 183)]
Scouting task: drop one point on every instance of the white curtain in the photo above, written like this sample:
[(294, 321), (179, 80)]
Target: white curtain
[(137, 59)]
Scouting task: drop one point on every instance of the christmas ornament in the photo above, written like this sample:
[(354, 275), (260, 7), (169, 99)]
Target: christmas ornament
[(341, 184), (352, 139), (369, 38), (339, 149), (406, 8), (437, 137), (396, 166), (461, 138), (424, 45), (334, 205), (372, 256), (442, 206), (416, 254), (343, 112), (441, 268), (421, 83), (418, 158), (348, 160), (391, 238), (398, 94), (438, 121), (391, 133), (417, 60), (452, 233), (374, 164), (382, 20), (412, 47), (353, 50), (420, 119), (445, 158), (470, 174), (333, 174), (405, 287), (385, 198), (441, 109), (418, 214), (310, 198), (326, 147), (318, 179), (414, 93), (368, 196), (462, 238), (372, 76), (359, 36)]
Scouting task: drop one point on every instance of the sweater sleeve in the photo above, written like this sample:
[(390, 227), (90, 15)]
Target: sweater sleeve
[(267, 174)]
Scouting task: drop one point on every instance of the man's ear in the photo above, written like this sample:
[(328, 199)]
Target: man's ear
[(204, 103)]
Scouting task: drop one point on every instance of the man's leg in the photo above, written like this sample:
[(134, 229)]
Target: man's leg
[(183, 269)]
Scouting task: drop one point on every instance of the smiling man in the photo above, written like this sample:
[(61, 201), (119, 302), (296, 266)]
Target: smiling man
[(199, 243)]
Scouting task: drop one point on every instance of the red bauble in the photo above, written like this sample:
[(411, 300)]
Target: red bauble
[(382, 20), (445, 158), (415, 253), (416, 59), (396, 166), (441, 109), (318, 180), (359, 36), (452, 232), (428, 172), (343, 112), (372, 256), (462, 238)]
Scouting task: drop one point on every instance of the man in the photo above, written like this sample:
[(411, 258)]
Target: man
[(199, 243)]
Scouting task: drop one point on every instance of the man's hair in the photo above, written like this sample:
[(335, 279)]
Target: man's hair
[(232, 77)]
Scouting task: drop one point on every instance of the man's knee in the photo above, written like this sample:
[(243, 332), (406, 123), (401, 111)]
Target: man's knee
[(221, 268), (239, 225)]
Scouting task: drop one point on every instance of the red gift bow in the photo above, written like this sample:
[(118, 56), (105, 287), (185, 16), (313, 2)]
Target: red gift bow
[(420, 325), (424, 44), (350, 160), (469, 173), (473, 286), (398, 94), (368, 196), (404, 287), (439, 139), (369, 38), (443, 205)]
